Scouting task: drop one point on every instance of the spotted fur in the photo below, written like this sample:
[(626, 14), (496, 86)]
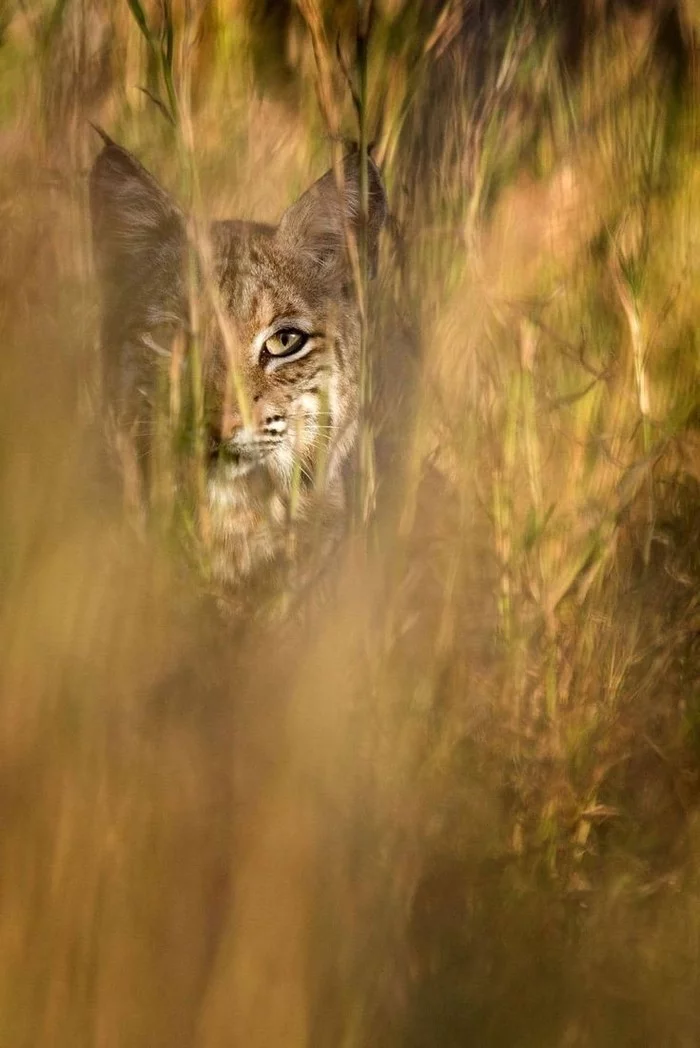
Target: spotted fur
[(279, 429)]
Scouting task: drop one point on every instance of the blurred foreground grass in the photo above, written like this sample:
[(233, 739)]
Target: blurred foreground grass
[(459, 804)]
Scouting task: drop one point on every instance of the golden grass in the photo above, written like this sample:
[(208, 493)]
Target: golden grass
[(459, 805)]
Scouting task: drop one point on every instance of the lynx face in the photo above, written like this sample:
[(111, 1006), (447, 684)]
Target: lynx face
[(278, 335)]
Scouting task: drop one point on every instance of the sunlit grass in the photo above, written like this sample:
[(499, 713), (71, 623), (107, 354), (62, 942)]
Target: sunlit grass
[(455, 801)]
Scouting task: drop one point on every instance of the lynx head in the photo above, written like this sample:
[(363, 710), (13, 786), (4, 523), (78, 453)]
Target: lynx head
[(279, 324)]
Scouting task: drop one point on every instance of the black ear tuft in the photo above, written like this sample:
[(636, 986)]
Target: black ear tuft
[(316, 223), (103, 134)]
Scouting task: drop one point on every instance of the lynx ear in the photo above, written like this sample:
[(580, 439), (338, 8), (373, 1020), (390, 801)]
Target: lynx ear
[(316, 223), (139, 239)]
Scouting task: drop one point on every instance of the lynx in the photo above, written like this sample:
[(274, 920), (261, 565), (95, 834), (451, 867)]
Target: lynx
[(279, 357)]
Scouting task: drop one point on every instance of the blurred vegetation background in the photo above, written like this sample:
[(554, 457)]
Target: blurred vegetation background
[(458, 804)]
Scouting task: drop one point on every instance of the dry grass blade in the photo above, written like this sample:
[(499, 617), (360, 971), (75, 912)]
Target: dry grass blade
[(340, 811)]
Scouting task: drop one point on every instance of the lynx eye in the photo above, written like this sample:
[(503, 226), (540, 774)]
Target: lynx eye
[(285, 343)]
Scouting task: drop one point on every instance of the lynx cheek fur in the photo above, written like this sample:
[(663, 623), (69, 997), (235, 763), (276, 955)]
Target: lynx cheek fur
[(291, 346)]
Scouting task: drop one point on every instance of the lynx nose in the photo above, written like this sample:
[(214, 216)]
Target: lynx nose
[(223, 429), (229, 425)]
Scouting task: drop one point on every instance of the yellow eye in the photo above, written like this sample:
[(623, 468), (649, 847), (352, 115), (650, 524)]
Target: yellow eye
[(284, 343)]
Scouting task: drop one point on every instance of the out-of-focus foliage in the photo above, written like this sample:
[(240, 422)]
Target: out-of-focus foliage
[(457, 804)]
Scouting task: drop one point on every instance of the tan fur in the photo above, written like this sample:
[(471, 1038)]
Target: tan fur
[(279, 428), (314, 401)]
